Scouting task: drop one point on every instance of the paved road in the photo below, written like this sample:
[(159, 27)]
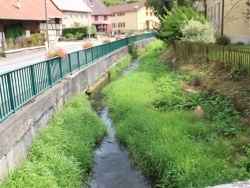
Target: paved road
[(17, 61)]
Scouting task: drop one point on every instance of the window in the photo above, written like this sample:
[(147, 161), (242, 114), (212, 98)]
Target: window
[(105, 18), (76, 15), (96, 18), (123, 24), (146, 13), (113, 15), (114, 25), (118, 24), (151, 13)]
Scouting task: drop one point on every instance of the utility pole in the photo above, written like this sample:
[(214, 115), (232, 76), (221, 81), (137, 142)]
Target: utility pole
[(47, 30)]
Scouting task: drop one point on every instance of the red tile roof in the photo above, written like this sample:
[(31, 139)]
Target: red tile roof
[(29, 10), (126, 7)]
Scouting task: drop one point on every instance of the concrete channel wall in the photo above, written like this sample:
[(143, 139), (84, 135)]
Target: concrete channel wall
[(19, 130)]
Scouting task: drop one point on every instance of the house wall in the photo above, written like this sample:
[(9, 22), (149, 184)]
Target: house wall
[(146, 18), (75, 19), (54, 29), (134, 20), (125, 23), (236, 25), (100, 18)]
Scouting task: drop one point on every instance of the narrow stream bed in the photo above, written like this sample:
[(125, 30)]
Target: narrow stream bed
[(112, 168)]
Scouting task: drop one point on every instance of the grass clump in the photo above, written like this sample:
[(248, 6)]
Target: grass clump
[(116, 70), (154, 120), (61, 156)]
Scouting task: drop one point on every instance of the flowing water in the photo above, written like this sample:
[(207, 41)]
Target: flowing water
[(112, 168)]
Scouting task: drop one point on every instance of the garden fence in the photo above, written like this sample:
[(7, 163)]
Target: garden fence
[(19, 86), (230, 56)]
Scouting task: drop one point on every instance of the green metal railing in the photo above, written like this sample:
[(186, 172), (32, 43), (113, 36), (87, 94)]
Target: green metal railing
[(17, 87)]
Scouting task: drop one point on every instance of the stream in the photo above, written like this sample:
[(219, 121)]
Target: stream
[(112, 168)]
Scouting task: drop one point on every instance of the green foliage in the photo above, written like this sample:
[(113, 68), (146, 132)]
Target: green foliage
[(74, 30), (172, 22), (169, 95), (175, 146), (221, 113), (195, 31), (133, 51), (14, 31), (69, 36), (62, 153), (79, 36), (113, 2), (223, 40), (92, 31), (116, 70)]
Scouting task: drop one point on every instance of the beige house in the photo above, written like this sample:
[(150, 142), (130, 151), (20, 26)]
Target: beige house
[(76, 12), (132, 17), (230, 17)]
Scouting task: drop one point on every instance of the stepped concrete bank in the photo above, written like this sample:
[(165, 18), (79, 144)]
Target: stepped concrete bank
[(19, 130)]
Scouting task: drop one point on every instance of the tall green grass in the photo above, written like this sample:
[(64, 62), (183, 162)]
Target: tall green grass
[(116, 70), (173, 144), (61, 156)]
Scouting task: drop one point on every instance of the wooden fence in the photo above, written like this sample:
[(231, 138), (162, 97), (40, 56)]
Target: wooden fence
[(230, 56)]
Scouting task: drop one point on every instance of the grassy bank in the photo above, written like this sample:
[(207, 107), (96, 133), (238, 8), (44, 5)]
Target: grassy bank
[(62, 153), (155, 119)]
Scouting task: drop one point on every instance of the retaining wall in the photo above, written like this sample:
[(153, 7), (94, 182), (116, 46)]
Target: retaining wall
[(19, 130)]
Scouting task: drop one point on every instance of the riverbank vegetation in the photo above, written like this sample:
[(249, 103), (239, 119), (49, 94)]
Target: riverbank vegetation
[(62, 154), (182, 138)]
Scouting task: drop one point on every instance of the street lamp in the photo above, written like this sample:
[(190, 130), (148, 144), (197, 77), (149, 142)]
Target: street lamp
[(91, 5), (47, 46)]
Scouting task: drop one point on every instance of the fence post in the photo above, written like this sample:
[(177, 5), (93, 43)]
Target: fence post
[(78, 60), (70, 68), (32, 77), (86, 57), (49, 73), (12, 102), (60, 67)]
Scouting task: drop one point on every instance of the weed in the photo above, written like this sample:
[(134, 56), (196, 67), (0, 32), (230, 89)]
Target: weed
[(62, 154)]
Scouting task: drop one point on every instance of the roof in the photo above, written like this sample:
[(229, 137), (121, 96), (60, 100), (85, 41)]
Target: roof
[(98, 7), (126, 7), (72, 5), (29, 10)]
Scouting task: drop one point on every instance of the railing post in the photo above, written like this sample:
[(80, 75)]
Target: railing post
[(32, 78), (49, 73), (60, 67), (78, 60), (92, 54), (70, 64), (12, 102), (86, 57)]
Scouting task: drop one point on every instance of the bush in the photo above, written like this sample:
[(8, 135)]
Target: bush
[(172, 22), (195, 31), (107, 40), (56, 52), (117, 37), (35, 39), (79, 36), (88, 45), (69, 36), (74, 30), (14, 31), (240, 43), (223, 40), (127, 35)]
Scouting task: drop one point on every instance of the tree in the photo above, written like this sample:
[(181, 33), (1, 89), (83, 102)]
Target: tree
[(160, 5), (173, 20)]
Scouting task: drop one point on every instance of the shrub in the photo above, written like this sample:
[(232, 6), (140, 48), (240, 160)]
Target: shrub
[(21, 42), (223, 40), (195, 31), (137, 33), (56, 52), (35, 39), (88, 45), (127, 35), (74, 30), (79, 36), (14, 31), (117, 37), (240, 43), (170, 29), (107, 40), (69, 36)]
